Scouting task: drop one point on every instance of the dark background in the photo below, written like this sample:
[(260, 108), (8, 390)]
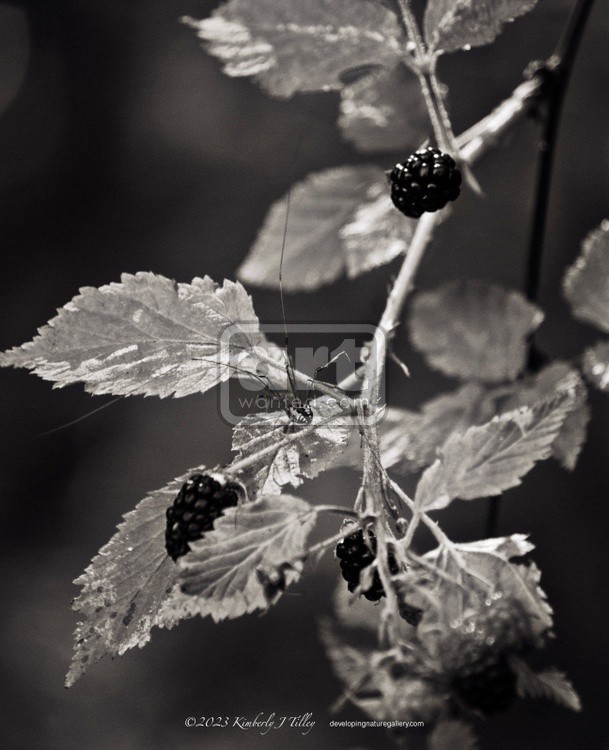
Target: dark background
[(126, 149)]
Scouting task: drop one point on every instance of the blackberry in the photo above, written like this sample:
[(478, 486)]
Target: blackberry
[(199, 502), (355, 553), (426, 181), (487, 683)]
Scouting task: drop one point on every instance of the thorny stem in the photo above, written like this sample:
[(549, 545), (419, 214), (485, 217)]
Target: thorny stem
[(424, 67), (557, 70), (473, 145), (373, 486)]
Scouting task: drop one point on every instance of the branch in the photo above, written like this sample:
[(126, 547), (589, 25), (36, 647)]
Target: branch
[(473, 144)]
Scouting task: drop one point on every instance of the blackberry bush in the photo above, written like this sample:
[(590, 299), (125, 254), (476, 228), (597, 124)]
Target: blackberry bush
[(477, 606)]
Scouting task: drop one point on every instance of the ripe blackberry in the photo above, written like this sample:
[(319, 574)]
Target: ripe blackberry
[(199, 502), (487, 683), (426, 181), (356, 553)]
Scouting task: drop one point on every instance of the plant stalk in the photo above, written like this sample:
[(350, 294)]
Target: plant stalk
[(557, 70)]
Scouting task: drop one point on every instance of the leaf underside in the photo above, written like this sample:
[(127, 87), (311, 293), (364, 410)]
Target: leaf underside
[(304, 457), (301, 45), (222, 569), (335, 218)]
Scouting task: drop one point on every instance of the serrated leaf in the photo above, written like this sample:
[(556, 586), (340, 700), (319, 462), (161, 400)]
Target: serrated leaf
[(596, 365), (473, 330), (586, 283), (371, 683), (451, 25), (482, 569), (301, 45), (411, 440), (147, 335), (222, 570), (550, 683), (384, 112), (317, 251), (489, 459), (308, 453), (571, 437), (451, 734), (130, 585)]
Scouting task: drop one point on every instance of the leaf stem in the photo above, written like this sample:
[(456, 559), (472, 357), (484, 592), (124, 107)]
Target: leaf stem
[(328, 542), (424, 67), (347, 512)]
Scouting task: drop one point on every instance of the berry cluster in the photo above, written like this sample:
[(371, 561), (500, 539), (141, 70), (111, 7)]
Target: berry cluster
[(356, 553), (426, 181), (201, 500)]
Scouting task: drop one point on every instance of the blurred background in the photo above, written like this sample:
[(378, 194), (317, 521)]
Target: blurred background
[(123, 148)]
